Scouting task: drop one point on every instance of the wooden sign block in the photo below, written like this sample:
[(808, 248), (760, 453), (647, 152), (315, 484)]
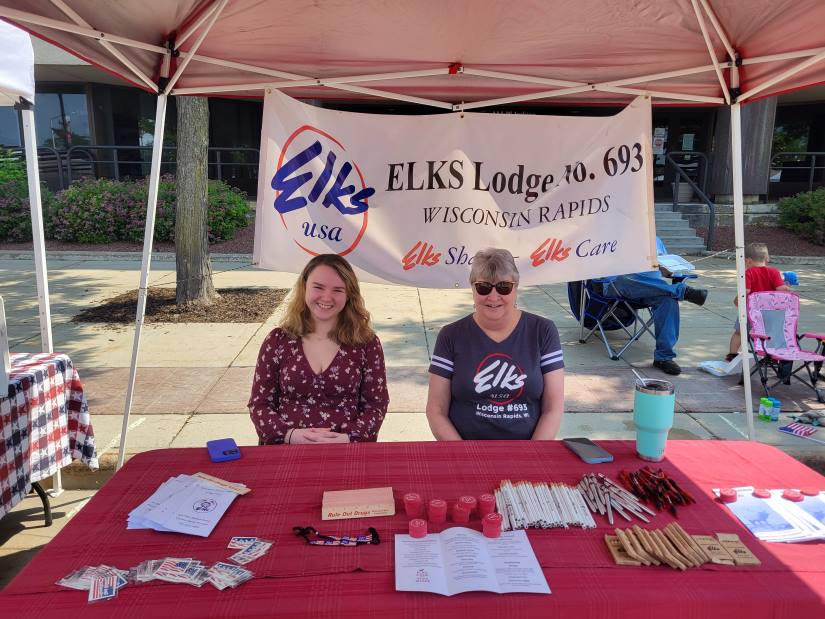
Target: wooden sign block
[(364, 503), (714, 549), (740, 553), (620, 556)]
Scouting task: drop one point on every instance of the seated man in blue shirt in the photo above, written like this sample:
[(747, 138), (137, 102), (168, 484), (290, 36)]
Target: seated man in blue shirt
[(652, 289)]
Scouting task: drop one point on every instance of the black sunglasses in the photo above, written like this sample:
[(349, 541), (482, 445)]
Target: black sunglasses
[(485, 288)]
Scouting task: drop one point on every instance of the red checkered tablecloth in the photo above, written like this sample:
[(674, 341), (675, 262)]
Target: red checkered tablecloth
[(44, 424), (298, 580)]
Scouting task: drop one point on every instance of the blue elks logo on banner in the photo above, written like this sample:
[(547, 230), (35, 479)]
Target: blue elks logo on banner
[(318, 198)]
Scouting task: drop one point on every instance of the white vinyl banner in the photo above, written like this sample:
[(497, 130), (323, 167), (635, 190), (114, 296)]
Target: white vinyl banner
[(410, 199)]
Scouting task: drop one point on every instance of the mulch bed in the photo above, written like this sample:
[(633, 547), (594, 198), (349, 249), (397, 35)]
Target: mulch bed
[(780, 242), (234, 305)]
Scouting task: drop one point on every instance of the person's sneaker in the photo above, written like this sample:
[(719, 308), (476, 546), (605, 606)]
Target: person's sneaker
[(696, 295), (667, 366)]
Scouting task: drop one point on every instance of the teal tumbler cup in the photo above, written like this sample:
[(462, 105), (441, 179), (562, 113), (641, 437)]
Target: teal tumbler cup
[(653, 416)]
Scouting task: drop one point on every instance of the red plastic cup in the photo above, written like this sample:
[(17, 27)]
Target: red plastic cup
[(491, 525), (761, 493), (413, 505), (792, 495), (809, 491), (437, 511), (727, 495), (460, 514), (468, 503), (486, 504), (418, 528)]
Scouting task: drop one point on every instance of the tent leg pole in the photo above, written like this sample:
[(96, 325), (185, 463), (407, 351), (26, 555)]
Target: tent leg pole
[(39, 246), (33, 173), (739, 230), (149, 231)]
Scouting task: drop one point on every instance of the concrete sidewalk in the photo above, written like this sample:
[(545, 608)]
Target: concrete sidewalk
[(194, 379)]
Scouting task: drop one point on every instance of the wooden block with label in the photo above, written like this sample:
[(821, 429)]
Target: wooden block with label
[(740, 553), (364, 503), (714, 549), (620, 556)]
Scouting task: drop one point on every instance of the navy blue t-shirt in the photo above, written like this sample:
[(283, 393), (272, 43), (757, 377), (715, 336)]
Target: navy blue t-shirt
[(496, 387)]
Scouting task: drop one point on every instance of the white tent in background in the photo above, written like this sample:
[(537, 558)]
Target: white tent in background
[(451, 55), (17, 89)]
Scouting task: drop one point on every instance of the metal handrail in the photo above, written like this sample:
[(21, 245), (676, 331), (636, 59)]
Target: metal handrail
[(811, 168), (700, 191), (86, 153), (20, 152)]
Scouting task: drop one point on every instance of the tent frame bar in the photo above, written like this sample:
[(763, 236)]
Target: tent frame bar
[(38, 245), (391, 95), (720, 32), (813, 55), (782, 76), (71, 14), (193, 27), (191, 55), (46, 22), (146, 263), (711, 51), (517, 77)]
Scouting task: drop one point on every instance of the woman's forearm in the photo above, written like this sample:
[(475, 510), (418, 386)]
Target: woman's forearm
[(548, 426), (443, 429)]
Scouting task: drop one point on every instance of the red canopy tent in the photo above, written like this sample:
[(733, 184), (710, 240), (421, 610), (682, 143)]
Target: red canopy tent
[(452, 55)]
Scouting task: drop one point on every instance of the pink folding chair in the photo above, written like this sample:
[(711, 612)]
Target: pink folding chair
[(773, 318)]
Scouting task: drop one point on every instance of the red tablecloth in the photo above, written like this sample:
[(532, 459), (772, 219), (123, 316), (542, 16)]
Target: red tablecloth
[(301, 580), (44, 423)]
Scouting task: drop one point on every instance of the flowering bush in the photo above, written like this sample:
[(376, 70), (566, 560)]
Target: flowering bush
[(104, 210)]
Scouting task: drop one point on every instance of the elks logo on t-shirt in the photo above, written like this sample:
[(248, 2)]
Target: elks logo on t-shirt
[(500, 378)]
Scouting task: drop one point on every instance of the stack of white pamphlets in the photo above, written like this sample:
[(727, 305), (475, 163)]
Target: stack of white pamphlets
[(183, 504), (776, 519)]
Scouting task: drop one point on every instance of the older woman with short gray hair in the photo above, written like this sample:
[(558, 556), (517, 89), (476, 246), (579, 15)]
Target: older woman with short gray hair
[(499, 372)]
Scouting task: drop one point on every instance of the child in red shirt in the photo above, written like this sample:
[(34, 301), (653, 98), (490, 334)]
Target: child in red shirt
[(759, 277)]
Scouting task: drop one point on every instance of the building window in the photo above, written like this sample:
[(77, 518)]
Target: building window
[(9, 127), (61, 120)]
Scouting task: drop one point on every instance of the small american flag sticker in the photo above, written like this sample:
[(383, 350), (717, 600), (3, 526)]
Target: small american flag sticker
[(798, 429)]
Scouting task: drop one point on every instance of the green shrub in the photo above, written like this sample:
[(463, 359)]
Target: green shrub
[(11, 168), (15, 211), (228, 211), (804, 214), (104, 210)]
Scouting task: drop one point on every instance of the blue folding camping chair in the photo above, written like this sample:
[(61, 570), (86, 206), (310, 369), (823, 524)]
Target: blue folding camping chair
[(598, 306)]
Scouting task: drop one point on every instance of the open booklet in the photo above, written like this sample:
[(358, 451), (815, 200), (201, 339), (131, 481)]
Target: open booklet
[(461, 559), (675, 264)]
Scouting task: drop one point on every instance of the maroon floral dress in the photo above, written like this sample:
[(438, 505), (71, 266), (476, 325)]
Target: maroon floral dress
[(350, 396)]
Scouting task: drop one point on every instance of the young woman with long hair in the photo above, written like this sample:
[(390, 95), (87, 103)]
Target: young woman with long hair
[(320, 376)]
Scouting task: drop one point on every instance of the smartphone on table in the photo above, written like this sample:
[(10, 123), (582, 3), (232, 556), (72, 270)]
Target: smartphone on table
[(587, 450), (223, 449)]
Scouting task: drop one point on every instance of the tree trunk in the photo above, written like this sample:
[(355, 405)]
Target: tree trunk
[(194, 271)]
